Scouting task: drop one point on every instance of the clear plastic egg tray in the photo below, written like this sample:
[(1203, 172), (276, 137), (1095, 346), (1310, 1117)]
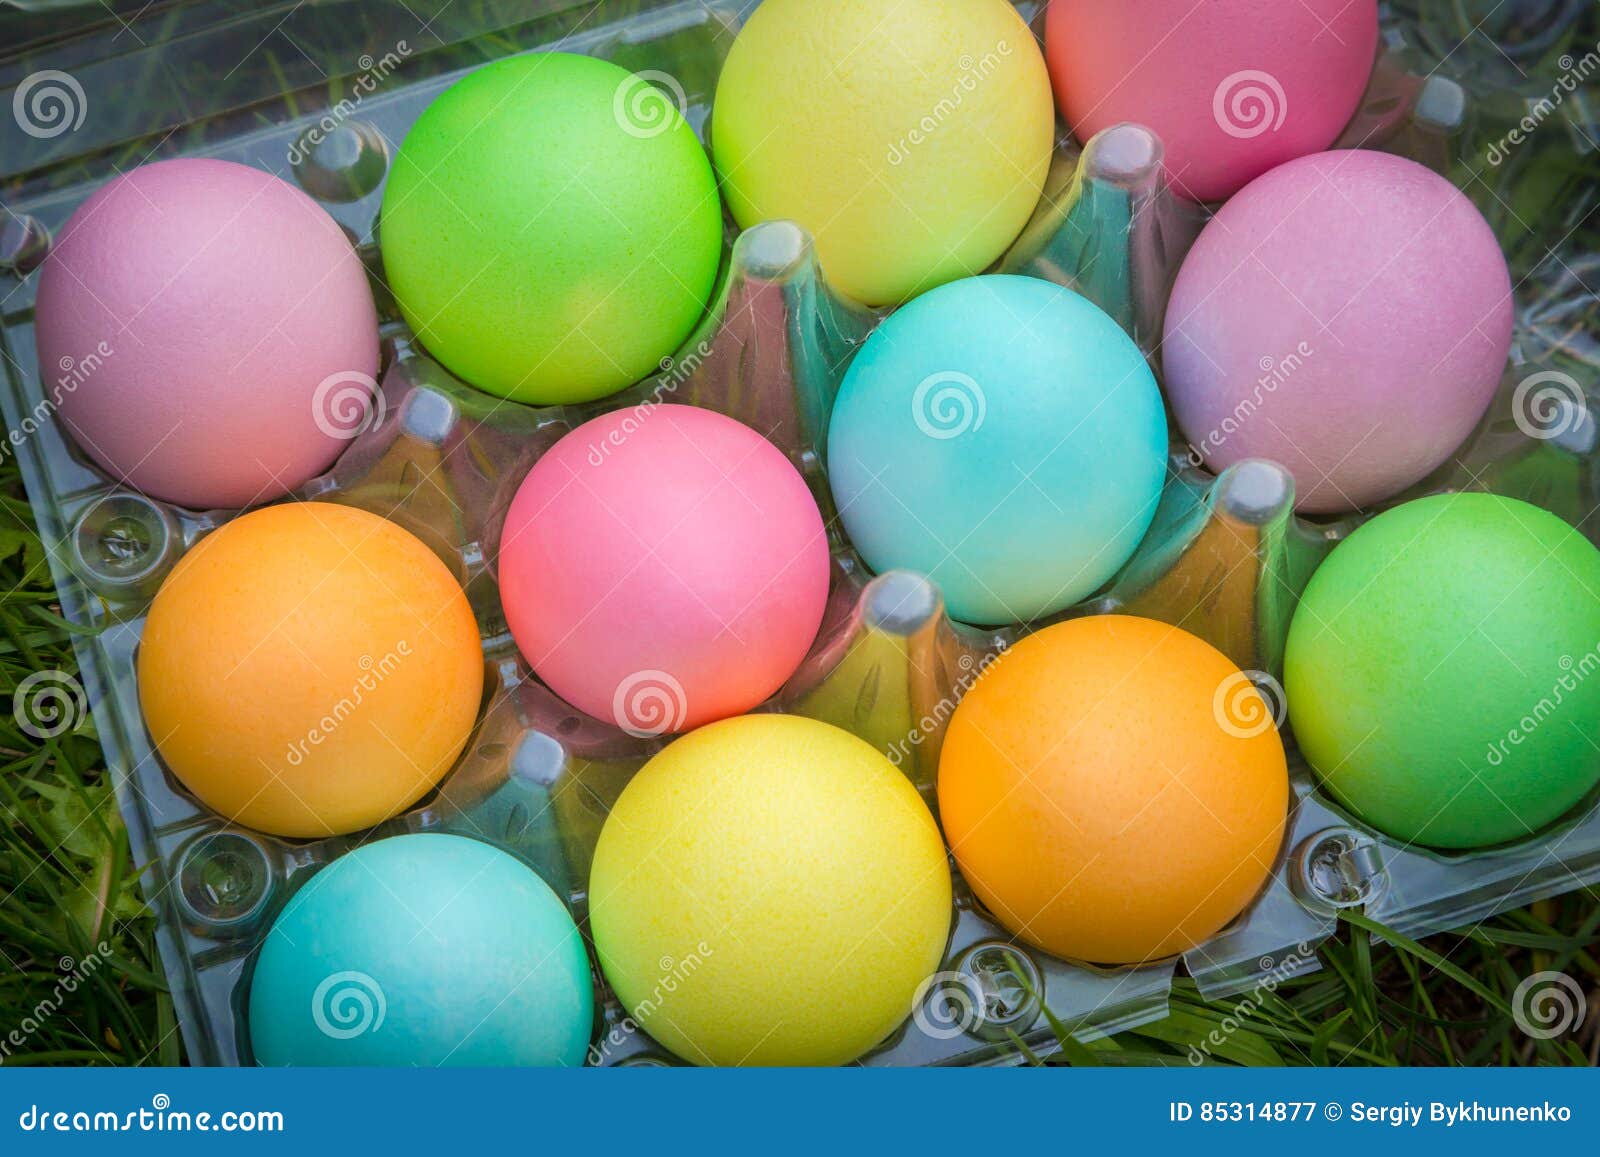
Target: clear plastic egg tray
[(1226, 558)]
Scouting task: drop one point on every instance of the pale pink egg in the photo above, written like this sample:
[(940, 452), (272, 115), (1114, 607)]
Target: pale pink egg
[(1347, 315), (200, 324), (1232, 87), (662, 567)]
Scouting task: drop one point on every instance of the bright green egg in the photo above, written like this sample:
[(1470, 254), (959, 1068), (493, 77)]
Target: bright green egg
[(551, 228), (1443, 670)]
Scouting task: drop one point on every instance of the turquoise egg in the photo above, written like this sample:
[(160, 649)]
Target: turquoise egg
[(422, 950), (1003, 436)]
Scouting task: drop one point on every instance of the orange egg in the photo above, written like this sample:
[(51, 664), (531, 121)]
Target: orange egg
[(1114, 789), (310, 670)]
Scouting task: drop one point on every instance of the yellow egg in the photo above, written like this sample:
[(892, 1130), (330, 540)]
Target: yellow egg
[(769, 890), (912, 140), (310, 669)]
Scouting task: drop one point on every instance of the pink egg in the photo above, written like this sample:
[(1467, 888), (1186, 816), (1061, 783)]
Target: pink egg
[(663, 567), (1232, 87), (202, 323), (1347, 315)]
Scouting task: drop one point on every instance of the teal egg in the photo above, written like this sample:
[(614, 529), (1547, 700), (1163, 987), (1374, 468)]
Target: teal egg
[(422, 950), (1003, 436), (1443, 670)]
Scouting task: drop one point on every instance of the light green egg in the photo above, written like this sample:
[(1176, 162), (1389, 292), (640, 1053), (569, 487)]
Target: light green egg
[(551, 228), (1443, 670)]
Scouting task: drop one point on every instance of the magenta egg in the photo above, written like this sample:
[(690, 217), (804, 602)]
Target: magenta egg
[(205, 328), (662, 567), (1232, 87), (1347, 315)]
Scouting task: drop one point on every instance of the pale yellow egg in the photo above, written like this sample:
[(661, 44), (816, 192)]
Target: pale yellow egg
[(911, 140), (769, 890)]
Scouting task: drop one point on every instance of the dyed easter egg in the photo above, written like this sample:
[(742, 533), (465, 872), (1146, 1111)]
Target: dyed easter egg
[(309, 670), (1347, 315), (422, 950), (911, 140), (662, 567), (793, 922), (1443, 670), (1114, 789), (1232, 87), (1004, 437), (199, 323), (551, 228)]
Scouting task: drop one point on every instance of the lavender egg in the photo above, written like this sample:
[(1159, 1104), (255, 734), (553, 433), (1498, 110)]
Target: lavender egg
[(203, 328), (1348, 315)]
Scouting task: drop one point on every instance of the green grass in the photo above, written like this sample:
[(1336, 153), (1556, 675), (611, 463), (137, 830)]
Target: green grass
[(67, 883)]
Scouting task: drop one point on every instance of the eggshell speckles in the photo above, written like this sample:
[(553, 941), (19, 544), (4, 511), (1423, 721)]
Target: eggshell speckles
[(1443, 670), (769, 890), (911, 140), (425, 950), (309, 670), (1232, 87), (1113, 789), (188, 317), (1347, 315), (662, 568)]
